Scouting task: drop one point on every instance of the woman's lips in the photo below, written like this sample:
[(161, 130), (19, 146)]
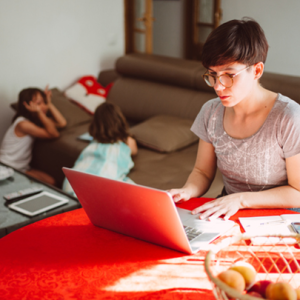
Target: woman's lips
[(223, 97)]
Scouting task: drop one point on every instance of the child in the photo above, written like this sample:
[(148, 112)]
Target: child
[(109, 154), (31, 121)]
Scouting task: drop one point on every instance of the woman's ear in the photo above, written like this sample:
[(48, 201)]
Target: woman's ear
[(258, 69)]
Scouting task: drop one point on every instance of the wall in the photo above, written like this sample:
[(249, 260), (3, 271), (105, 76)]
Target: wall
[(279, 19), (55, 42), (281, 23)]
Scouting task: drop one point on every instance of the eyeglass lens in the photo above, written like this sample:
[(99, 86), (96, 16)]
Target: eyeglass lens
[(224, 79)]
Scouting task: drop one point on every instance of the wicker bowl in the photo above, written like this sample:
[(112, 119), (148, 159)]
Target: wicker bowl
[(275, 258)]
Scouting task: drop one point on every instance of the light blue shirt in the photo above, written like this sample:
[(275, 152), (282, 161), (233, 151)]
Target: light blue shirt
[(107, 160)]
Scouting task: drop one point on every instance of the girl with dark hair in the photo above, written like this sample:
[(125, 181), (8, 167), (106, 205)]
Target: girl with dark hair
[(250, 133), (36, 117), (109, 153)]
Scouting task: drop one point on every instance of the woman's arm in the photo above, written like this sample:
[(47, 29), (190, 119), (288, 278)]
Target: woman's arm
[(48, 132), (202, 175), (132, 145), (59, 120), (27, 127), (287, 196)]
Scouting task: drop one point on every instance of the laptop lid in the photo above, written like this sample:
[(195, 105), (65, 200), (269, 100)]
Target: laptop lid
[(134, 210)]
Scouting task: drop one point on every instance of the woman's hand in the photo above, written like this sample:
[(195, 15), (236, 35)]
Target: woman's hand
[(32, 107), (180, 195), (48, 94), (227, 205)]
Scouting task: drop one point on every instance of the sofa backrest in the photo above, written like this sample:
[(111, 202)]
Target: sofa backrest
[(284, 84), (152, 84)]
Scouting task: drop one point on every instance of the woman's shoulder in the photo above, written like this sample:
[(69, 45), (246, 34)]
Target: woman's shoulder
[(211, 107), (20, 119), (286, 113), (287, 106), (211, 104)]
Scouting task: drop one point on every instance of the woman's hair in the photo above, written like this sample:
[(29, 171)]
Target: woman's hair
[(241, 41), (109, 124), (27, 95)]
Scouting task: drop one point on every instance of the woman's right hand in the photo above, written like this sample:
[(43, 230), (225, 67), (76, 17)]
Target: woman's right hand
[(180, 195), (32, 107)]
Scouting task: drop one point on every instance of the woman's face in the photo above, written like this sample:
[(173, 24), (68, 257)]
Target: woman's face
[(38, 100), (242, 87)]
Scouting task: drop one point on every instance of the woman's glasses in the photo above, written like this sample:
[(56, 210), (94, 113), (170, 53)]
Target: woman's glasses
[(225, 79)]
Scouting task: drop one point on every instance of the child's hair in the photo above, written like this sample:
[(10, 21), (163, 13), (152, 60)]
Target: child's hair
[(241, 41), (109, 124), (27, 95)]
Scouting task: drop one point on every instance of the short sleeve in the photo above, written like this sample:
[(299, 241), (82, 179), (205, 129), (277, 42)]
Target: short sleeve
[(290, 129), (200, 125)]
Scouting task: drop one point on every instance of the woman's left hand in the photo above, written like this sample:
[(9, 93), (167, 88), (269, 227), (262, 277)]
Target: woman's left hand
[(227, 206)]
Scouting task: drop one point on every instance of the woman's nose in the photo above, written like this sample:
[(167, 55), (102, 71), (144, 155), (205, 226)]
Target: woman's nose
[(218, 86)]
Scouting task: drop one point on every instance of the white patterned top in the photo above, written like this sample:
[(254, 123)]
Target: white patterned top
[(258, 162)]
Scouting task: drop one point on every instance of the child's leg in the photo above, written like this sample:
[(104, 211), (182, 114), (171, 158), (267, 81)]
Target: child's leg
[(41, 176)]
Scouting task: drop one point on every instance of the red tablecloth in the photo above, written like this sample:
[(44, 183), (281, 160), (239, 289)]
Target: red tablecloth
[(66, 257)]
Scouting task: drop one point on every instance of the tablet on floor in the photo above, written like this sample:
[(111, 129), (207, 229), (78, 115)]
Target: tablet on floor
[(37, 204)]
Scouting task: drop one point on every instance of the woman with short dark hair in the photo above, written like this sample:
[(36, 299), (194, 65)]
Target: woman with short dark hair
[(250, 133)]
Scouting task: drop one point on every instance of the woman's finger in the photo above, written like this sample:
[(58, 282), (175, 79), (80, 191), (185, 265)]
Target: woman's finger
[(203, 207)]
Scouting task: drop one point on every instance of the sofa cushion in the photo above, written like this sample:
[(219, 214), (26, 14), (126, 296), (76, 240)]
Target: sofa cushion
[(88, 93), (164, 133)]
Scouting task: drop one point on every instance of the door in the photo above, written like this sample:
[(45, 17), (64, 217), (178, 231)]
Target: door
[(138, 26), (201, 17)]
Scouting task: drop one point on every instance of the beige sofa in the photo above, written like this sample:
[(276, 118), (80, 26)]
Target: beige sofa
[(160, 97)]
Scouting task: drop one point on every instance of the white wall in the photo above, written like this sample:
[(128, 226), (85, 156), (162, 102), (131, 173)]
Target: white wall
[(281, 23), (55, 42)]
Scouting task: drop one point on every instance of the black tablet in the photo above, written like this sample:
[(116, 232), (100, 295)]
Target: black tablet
[(37, 204)]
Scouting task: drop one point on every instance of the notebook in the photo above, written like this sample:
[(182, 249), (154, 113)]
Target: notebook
[(144, 213), (270, 225)]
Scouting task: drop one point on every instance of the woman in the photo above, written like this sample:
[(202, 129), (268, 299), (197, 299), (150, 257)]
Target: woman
[(251, 134)]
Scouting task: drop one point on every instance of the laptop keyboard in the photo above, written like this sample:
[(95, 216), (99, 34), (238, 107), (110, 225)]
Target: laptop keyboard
[(191, 232)]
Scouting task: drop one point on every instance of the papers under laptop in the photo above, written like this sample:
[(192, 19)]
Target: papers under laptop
[(142, 212)]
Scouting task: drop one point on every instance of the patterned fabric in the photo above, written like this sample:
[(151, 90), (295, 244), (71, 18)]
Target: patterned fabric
[(66, 257), (258, 162), (107, 160)]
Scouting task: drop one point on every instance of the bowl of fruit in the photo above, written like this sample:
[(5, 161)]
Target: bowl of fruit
[(238, 268)]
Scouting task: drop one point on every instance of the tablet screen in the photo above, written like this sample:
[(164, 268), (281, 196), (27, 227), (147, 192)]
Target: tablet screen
[(38, 203)]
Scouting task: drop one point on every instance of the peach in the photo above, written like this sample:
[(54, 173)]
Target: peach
[(247, 271), (233, 279), (280, 291), (260, 287)]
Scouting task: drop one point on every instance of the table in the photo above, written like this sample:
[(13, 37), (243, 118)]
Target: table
[(11, 220), (66, 257)]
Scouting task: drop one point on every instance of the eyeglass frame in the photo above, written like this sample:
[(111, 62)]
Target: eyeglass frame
[(217, 77)]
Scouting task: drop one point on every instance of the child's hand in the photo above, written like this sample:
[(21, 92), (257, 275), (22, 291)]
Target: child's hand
[(48, 94), (32, 107)]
